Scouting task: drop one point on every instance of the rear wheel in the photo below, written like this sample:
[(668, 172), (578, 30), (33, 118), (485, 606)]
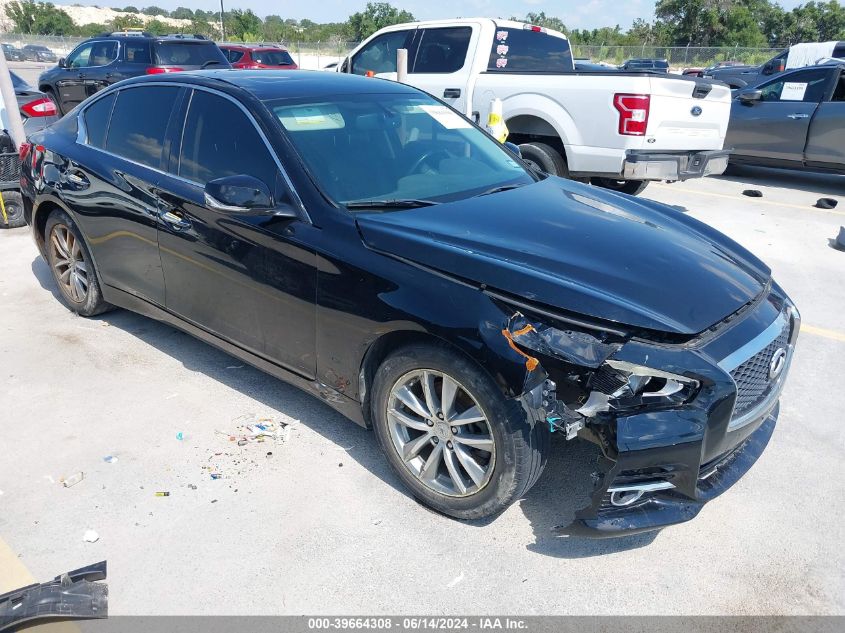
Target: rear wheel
[(72, 268), (631, 187), (544, 158), (13, 207), (451, 436)]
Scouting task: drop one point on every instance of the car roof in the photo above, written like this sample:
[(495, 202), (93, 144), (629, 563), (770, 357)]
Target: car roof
[(280, 84), (253, 47)]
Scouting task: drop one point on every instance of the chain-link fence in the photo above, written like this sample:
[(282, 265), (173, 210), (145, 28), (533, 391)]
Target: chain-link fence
[(317, 55)]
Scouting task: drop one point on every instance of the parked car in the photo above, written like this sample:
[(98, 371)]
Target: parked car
[(658, 128), (13, 53), (582, 66), (656, 65), (796, 120), (111, 57), (244, 56), (367, 243), (701, 72), (37, 110), (38, 53), (739, 76)]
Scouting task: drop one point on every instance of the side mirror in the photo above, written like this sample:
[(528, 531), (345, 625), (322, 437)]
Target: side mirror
[(751, 96), (514, 148), (238, 194), (62, 62)]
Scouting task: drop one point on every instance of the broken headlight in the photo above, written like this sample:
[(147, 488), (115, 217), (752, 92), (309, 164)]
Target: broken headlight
[(619, 385)]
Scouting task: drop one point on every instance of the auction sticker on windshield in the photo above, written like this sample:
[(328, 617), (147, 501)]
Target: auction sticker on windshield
[(445, 117)]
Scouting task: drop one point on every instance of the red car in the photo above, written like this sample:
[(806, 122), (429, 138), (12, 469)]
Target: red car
[(253, 57)]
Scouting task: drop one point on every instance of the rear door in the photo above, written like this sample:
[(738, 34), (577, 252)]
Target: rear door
[(242, 276), (441, 63), (775, 128), (826, 138), (114, 194)]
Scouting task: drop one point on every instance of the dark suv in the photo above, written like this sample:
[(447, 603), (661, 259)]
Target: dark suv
[(111, 57)]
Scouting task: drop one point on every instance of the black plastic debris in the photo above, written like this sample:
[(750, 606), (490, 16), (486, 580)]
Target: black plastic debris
[(74, 595), (840, 239), (826, 203), (753, 193)]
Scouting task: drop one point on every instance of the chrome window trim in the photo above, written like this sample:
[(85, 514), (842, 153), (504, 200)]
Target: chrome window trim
[(754, 346), (82, 137)]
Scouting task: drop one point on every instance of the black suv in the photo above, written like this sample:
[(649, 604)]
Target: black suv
[(111, 57)]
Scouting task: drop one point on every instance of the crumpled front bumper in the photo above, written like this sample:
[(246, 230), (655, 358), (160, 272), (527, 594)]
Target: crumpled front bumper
[(678, 166), (660, 509)]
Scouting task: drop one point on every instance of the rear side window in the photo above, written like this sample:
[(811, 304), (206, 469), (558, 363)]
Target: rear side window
[(137, 52), (139, 123), (524, 50), (233, 56), (178, 53), (103, 53), (220, 140), (442, 50), (97, 120), (272, 58)]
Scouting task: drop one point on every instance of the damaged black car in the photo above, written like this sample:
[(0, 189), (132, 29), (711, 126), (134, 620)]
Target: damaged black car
[(363, 241)]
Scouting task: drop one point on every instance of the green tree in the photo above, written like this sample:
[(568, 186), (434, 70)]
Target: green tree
[(376, 16), (154, 10), (39, 17), (124, 22), (130, 9), (242, 24), (157, 27), (540, 19), (182, 13)]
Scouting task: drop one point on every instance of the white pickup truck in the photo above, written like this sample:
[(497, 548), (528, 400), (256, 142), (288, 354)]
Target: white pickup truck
[(616, 129)]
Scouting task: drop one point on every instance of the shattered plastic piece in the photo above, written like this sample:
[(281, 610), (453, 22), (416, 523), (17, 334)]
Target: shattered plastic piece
[(596, 403), (192, 486), (269, 454), (74, 479), (75, 594), (241, 442), (826, 203), (180, 436), (110, 459), (90, 536), (753, 193), (840, 239), (162, 494), (572, 346), (530, 362), (216, 476)]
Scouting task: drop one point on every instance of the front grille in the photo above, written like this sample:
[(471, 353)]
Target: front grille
[(10, 168), (752, 376)]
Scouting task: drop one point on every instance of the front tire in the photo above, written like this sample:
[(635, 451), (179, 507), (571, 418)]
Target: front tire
[(451, 436), (13, 205), (631, 187), (72, 267)]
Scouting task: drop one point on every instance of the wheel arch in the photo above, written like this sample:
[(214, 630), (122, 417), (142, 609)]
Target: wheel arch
[(532, 115)]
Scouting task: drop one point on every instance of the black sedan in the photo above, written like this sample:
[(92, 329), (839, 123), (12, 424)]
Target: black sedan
[(12, 53), (365, 242), (38, 53)]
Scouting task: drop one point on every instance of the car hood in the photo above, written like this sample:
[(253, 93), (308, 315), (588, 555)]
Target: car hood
[(580, 249)]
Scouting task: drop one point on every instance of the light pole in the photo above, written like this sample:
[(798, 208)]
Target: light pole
[(222, 27)]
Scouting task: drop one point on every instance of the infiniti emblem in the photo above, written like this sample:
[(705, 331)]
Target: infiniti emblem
[(696, 111), (777, 364)]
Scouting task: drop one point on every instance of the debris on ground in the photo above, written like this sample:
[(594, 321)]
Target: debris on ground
[(826, 203), (180, 436), (192, 486), (753, 193), (162, 494), (839, 242), (110, 459), (74, 479), (90, 536)]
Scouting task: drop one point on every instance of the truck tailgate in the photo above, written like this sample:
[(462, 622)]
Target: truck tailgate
[(687, 114)]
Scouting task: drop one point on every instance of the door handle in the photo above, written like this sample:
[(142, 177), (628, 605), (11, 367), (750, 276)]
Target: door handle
[(175, 220), (452, 93), (794, 117)]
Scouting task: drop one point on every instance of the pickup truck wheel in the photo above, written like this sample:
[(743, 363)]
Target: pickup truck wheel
[(631, 187), (451, 436), (544, 158)]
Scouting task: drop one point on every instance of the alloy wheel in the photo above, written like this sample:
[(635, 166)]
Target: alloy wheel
[(69, 263), (440, 433)]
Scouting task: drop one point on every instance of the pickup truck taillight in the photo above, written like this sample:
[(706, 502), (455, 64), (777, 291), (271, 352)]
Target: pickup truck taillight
[(633, 113)]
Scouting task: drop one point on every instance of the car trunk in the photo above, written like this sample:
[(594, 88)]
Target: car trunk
[(689, 114)]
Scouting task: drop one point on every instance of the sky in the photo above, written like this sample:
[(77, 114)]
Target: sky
[(576, 14)]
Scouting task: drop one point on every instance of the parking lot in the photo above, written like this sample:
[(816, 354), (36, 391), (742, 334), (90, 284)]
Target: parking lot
[(322, 526)]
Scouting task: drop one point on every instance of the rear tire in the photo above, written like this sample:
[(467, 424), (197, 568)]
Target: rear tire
[(545, 158), (13, 203), (72, 267), (486, 464), (631, 187)]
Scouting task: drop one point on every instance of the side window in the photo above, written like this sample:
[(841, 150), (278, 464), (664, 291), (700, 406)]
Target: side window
[(807, 86), (220, 140), (442, 50), (521, 50), (379, 55), (233, 56), (79, 58), (97, 120), (139, 123), (137, 52), (103, 53), (839, 93)]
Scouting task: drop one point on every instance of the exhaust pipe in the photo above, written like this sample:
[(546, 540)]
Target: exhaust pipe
[(628, 494)]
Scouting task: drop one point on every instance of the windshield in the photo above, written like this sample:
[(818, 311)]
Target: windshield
[(394, 147), (272, 58)]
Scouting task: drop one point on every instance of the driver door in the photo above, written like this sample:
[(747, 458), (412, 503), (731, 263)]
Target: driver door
[(71, 82)]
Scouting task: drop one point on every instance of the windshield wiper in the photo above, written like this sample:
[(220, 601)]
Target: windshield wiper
[(389, 204), (499, 189)]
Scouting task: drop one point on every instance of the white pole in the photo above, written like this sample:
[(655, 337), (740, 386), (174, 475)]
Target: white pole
[(402, 65), (10, 100)]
